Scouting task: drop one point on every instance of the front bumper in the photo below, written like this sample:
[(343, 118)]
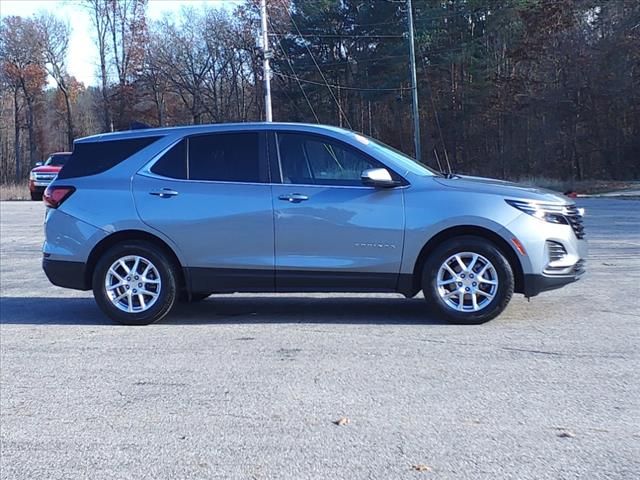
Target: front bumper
[(554, 255), (39, 186), (66, 274), (535, 284)]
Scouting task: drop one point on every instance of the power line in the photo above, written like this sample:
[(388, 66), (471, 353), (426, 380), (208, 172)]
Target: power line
[(338, 35), (296, 76), (317, 66), (363, 60), (342, 87)]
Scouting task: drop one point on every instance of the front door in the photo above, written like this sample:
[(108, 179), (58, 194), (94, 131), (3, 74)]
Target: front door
[(333, 233)]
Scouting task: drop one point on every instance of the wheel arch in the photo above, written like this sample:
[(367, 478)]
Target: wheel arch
[(131, 235), (499, 242)]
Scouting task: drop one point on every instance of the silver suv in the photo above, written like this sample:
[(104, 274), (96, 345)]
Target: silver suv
[(146, 218)]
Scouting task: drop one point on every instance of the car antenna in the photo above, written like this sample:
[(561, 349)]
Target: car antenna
[(449, 173), (446, 157), (444, 146), (435, 153)]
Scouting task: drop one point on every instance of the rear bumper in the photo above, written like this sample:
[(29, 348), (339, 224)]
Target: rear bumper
[(66, 274)]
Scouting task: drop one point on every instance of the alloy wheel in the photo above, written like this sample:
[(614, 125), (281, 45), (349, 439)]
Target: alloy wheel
[(133, 284), (467, 282)]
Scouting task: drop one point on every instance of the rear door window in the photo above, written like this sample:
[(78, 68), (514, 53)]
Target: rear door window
[(226, 157)]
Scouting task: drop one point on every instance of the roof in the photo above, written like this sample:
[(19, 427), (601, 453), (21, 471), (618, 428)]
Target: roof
[(215, 127)]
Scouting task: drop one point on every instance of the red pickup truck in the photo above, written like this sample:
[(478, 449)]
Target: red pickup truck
[(43, 173)]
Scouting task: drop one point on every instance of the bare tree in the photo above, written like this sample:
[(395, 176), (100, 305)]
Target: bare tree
[(153, 79), (54, 42), (128, 33), (186, 60), (23, 69), (98, 11)]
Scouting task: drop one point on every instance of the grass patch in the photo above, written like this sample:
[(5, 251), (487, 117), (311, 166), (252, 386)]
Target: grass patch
[(14, 191)]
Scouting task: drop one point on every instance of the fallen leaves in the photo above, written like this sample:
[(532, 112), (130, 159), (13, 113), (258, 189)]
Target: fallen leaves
[(342, 421), (564, 432), (421, 467)]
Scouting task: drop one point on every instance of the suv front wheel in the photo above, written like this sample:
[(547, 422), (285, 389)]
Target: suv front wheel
[(467, 280), (134, 283)]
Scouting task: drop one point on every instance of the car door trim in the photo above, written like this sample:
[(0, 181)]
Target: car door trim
[(240, 280)]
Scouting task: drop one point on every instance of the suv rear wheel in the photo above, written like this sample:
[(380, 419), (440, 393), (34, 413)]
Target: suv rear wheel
[(134, 283), (467, 280)]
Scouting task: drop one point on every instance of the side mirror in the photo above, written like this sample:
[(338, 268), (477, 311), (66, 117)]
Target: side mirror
[(378, 177), (39, 164)]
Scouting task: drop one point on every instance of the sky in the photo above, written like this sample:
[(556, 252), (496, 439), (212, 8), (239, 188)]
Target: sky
[(83, 55)]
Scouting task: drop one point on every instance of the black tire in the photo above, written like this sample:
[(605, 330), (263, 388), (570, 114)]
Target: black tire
[(167, 286), (483, 247), (35, 196)]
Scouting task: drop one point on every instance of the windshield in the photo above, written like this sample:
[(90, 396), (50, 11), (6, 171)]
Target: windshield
[(57, 160), (396, 156)]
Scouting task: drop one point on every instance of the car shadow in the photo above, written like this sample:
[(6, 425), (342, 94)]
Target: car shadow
[(50, 311), (229, 310), (292, 309)]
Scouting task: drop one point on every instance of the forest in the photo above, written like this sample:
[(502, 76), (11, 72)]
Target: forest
[(507, 88)]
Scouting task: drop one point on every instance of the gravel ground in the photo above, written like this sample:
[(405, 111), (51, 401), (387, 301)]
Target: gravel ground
[(248, 386)]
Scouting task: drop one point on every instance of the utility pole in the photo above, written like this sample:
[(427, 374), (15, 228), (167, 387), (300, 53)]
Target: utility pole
[(414, 86), (266, 68)]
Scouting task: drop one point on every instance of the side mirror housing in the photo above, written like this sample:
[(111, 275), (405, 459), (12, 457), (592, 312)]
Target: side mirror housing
[(378, 177), (39, 164)]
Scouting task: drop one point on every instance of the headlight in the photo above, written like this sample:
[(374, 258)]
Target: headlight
[(543, 211), (32, 176)]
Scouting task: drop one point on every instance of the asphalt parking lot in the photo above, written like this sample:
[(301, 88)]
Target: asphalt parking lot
[(249, 386)]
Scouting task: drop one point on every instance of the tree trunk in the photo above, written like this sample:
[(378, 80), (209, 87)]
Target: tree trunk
[(159, 100), (70, 129), (32, 136), (106, 116), (30, 125), (16, 120)]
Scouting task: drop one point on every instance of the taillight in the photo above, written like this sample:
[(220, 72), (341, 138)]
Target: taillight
[(55, 195)]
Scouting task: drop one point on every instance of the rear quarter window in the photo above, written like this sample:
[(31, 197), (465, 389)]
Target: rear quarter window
[(91, 158), (173, 164)]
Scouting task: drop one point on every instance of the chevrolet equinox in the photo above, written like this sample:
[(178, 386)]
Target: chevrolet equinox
[(146, 218)]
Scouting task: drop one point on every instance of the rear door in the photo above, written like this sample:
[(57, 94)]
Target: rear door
[(210, 195), (332, 232)]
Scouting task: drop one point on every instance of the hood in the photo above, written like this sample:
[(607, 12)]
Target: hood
[(503, 188), (47, 169)]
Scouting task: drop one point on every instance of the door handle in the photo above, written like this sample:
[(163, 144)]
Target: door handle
[(164, 193), (293, 197)]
